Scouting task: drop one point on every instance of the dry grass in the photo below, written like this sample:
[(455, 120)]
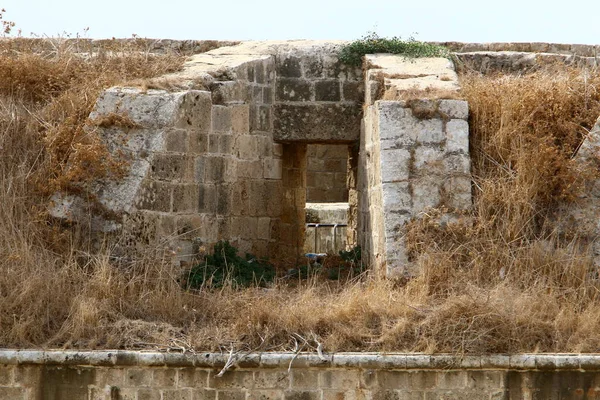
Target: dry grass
[(502, 281)]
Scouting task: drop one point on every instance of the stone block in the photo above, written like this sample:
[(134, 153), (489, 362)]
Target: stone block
[(304, 379), (272, 168), (289, 66), (353, 91), (12, 393), (6, 375), (221, 119), (302, 394), (170, 167), (457, 164), (267, 95), (198, 142), (224, 199), (396, 196), (224, 92), (426, 194), (138, 377), (486, 380), (291, 89), (195, 111), (454, 109), (149, 394), (428, 161), (395, 165), (456, 192), (257, 95), (452, 380), (263, 230), (227, 144), (240, 118), (340, 379), (317, 122), (277, 150), (214, 169), (204, 394), (234, 380), (166, 377), (247, 147), (276, 379), (176, 140), (313, 66), (231, 395), (213, 143), (422, 380), (327, 90), (185, 198), (432, 131), (264, 122), (177, 394), (154, 196), (457, 136), (250, 169)]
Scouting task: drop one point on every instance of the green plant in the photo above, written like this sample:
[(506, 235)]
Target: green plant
[(224, 266), (371, 43)]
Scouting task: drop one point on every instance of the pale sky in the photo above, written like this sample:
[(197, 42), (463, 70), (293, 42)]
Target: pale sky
[(573, 21)]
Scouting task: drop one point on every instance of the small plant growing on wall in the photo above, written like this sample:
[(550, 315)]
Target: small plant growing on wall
[(371, 43), (225, 267)]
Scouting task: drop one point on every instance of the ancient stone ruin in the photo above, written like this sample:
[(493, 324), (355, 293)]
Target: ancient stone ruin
[(246, 135)]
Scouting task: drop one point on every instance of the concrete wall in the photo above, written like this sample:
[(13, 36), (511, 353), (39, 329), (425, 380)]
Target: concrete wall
[(121, 375), (326, 173)]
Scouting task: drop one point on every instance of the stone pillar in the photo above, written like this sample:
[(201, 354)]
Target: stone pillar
[(294, 199)]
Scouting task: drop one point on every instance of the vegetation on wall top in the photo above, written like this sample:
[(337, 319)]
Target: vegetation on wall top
[(371, 43)]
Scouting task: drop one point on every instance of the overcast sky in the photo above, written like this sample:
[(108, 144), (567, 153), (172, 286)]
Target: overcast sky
[(573, 21)]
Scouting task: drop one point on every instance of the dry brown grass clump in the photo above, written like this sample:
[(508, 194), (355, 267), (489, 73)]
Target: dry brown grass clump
[(502, 281)]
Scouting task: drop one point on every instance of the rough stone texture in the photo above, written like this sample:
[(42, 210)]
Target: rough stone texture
[(129, 375), (326, 173), (414, 156)]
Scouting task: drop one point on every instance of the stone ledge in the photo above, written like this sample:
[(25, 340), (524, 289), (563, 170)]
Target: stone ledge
[(581, 362)]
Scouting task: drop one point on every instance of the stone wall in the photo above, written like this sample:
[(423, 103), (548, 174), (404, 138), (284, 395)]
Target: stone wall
[(123, 375), (326, 173), (414, 155)]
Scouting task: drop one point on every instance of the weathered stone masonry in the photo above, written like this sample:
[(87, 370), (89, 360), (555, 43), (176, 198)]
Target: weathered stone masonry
[(125, 375)]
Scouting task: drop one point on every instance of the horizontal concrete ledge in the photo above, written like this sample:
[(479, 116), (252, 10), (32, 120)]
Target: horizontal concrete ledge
[(395, 361)]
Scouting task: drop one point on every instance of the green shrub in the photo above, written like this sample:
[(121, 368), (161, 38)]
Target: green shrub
[(371, 43), (224, 266)]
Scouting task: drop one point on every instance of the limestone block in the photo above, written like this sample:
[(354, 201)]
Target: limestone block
[(327, 90), (290, 89), (316, 122), (155, 108), (176, 140), (428, 160), (170, 167), (247, 147), (250, 169), (240, 118), (431, 131), (426, 194), (185, 198), (454, 109), (154, 196), (395, 164), (457, 136), (221, 119), (457, 164), (272, 168), (289, 66), (457, 192), (396, 196), (227, 144)]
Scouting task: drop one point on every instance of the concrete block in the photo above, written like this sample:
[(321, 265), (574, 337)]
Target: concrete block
[(327, 90), (454, 109), (272, 168), (221, 119), (291, 89), (395, 165), (457, 136)]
